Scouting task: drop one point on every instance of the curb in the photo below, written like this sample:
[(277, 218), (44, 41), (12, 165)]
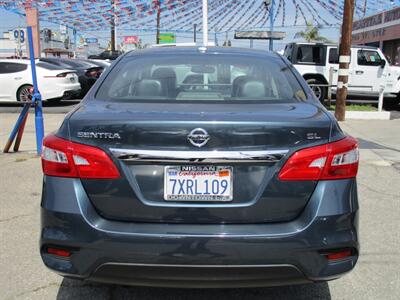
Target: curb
[(367, 115)]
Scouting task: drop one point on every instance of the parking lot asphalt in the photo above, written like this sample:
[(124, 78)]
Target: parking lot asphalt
[(376, 276)]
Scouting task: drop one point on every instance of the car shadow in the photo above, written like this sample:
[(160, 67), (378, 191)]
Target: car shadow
[(73, 289), (369, 145), (45, 103)]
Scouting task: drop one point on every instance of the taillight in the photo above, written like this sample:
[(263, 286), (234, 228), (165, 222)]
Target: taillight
[(338, 160), (94, 73), (63, 158), (60, 75)]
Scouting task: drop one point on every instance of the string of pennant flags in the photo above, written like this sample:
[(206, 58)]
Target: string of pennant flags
[(180, 15)]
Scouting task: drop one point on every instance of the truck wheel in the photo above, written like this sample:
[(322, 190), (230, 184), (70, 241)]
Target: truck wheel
[(320, 92)]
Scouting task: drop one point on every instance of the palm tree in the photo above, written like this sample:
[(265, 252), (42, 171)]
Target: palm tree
[(141, 45), (311, 33)]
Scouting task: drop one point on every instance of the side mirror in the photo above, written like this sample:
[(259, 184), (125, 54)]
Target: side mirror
[(383, 63)]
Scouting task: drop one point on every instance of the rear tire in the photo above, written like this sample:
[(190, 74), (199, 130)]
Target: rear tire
[(24, 93), (320, 92)]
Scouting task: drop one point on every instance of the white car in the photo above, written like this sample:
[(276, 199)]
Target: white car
[(369, 69), (54, 83)]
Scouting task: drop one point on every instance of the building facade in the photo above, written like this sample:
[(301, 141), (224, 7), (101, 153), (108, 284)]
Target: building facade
[(14, 43), (381, 30)]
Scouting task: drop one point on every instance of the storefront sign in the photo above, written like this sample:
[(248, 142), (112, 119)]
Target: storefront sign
[(91, 40), (382, 18), (368, 22), (167, 38), (19, 34), (131, 39), (373, 34), (392, 15)]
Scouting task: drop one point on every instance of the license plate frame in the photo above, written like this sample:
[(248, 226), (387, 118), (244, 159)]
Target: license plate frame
[(202, 170)]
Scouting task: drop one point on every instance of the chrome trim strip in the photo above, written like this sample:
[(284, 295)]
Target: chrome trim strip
[(195, 266), (198, 156)]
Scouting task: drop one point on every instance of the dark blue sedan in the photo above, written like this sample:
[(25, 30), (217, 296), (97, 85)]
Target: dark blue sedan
[(200, 167)]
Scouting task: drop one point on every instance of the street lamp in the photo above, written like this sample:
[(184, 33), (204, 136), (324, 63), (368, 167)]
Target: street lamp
[(269, 5)]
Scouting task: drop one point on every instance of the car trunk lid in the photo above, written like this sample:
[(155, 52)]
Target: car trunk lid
[(252, 142)]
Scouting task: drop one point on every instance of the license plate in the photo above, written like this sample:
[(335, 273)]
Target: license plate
[(198, 183)]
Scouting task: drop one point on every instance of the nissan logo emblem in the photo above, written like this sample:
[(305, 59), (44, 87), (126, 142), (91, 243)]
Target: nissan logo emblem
[(198, 137)]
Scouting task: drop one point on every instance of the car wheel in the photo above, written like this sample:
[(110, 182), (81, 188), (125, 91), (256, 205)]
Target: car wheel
[(320, 92), (24, 93)]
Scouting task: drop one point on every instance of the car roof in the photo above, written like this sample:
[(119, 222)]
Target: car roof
[(313, 43), (70, 63), (15, 60), (200, 49), (333, 45)]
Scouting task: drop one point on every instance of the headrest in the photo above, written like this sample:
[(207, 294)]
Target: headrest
[(148, 87), (163, 73), (251, 89), (193, 79), (238, 82)]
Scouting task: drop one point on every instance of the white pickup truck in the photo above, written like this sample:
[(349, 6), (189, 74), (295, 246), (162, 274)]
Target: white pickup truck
[(369, 69)]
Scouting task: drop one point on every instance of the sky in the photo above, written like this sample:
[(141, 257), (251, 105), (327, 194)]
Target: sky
[(244, 10)]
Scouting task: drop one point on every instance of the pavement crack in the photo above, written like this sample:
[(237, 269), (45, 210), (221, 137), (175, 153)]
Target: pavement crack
[(376, 191), (34, 290), (16, 217)]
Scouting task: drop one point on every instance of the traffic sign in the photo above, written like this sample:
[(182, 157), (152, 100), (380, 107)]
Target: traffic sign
[(91, 40)]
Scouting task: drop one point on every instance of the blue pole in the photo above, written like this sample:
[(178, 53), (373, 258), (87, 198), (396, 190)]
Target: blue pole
[(37, 98), (271, 25)]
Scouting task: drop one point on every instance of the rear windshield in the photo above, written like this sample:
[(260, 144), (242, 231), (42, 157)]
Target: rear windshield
[(201, 78), (48, 66), (77, 63)]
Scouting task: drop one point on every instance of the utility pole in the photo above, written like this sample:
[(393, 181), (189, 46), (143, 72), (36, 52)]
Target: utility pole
[(158, 22), (271, 25), (205, 23), (112, 42), (344, 60), (269, 5), (365, 8)]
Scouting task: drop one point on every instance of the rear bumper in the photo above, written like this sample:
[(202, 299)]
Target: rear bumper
[(72, 94), (208, 276), (186, 255), (58, 90)]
